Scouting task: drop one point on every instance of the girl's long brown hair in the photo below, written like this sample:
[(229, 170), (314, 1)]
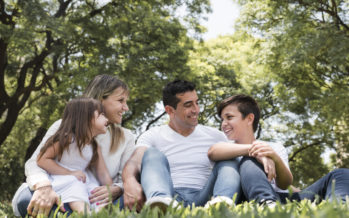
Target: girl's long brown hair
[(76, 125)]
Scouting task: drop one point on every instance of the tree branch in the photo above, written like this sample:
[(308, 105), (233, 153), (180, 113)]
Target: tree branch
[(154, 120), (294, 154), (62, 8)]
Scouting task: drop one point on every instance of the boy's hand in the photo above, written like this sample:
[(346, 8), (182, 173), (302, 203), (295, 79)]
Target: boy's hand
[(259, 148), (79, 175), (269, 166)]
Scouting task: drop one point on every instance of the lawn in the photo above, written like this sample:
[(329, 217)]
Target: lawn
[(246, 210)]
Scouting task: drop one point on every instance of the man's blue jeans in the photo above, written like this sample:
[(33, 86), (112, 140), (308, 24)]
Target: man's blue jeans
[(255, 185), (156, 180), (26, 195)]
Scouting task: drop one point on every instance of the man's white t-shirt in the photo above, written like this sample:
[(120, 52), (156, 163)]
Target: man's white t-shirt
[(187, 156)]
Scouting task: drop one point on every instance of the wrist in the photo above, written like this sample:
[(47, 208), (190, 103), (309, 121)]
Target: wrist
[(116, 191), (41, 185)]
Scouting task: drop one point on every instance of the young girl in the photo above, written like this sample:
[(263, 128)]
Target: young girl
[(72, 149)]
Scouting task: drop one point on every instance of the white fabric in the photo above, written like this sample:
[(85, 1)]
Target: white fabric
[(67, 186), (281, 151), (114, 161), (187, 156)]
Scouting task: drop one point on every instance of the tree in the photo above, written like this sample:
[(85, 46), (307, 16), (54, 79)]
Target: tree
[(306, 51), (50, 50)]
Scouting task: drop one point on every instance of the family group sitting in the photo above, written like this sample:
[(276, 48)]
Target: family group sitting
[(86, 157)]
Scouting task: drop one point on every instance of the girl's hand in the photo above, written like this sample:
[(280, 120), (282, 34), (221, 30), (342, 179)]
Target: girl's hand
[(260, 149), (79, 175), (101, 194)]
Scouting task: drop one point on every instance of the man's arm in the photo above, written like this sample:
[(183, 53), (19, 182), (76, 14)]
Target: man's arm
[(133, 193)]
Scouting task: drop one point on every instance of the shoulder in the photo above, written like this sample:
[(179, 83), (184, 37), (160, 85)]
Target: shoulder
[(209, 129), (128, 133), (277, 146), (54, 127), (155, 130)]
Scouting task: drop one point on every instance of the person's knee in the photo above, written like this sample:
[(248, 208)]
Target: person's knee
[(249, 163), (23, 201), (340, 172), (228, 165), (153, 155)]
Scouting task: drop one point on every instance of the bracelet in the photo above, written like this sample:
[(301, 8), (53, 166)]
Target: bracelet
[(42, 184)]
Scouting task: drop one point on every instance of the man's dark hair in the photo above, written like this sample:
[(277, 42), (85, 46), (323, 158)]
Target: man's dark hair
[(245, 104), (172, 89)]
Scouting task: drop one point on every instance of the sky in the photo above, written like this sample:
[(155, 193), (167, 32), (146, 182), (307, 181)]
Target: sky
[(221, 20)]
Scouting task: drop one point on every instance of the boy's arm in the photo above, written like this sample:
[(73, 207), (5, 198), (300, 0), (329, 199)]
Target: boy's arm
[(227, 150), (284, 176)]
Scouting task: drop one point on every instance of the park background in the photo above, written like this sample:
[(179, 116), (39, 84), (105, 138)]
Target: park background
[(291, 55)]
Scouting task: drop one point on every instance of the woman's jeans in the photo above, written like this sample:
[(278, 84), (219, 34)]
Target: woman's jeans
[(156, 180), (26, 194), (255, 185)]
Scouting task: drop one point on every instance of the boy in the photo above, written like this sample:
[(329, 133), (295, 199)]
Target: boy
[(264, 170)]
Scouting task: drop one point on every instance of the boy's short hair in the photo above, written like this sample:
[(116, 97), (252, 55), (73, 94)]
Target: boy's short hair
[(172, 89), (245, 104)]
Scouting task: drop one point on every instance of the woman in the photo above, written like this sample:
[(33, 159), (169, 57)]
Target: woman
[(37, 197)]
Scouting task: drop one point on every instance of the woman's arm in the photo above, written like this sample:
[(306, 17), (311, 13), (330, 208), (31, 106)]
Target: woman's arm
[(227, 150), (284, 176), (36, 176), (103, 175)]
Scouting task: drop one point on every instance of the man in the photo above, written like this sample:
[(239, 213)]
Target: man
[(171, 160), (264, 170)]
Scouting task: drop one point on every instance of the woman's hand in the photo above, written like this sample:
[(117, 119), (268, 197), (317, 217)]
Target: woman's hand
[(79, 175), (100, 195), (42, 201)]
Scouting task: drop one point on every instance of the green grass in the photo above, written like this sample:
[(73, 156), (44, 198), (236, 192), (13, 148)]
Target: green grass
[(303, 209)]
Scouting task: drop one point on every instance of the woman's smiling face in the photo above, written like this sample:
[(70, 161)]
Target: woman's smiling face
[(115, 105)]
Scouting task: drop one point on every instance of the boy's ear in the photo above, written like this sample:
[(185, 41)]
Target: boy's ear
[(250, 118)]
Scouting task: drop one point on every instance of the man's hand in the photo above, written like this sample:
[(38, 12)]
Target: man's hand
[(269, 166), (42, 201), (133, 195), (79, 175), (101, 194)]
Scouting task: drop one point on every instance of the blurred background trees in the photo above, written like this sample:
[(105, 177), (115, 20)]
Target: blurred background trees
[(292, 56)]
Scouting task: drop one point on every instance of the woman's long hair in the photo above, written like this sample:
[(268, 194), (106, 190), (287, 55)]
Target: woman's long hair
[(76, 125), (100, 88)]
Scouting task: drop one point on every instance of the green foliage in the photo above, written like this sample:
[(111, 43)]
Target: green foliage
[(306, 54), (50, 50), (303, 209)]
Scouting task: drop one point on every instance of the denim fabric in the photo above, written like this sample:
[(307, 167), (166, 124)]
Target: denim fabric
[(24, 200), (254, 182), (26, 195), (156, 180), (255, 185)]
